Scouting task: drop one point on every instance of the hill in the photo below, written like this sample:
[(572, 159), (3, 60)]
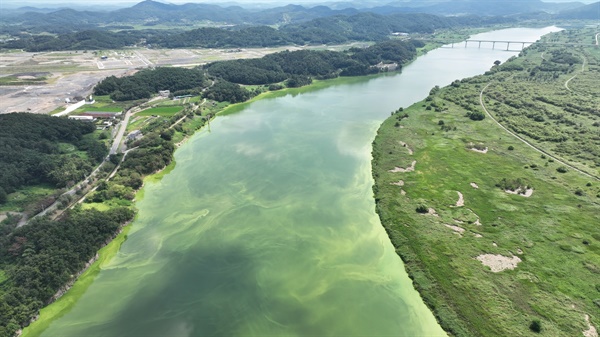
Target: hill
[(589, 12)]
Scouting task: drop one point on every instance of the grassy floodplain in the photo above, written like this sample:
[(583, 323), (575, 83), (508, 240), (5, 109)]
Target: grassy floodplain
[(464, 214)]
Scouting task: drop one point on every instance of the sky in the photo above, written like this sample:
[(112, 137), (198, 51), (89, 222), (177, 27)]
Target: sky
[(126, 3)]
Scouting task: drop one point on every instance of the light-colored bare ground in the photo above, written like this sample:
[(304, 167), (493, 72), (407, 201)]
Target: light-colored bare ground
[(432, 211), (458, 230), (591, 332), (461, 200), (75, 73), (498, 263), (403, 170), (403, 192), (474, 185), (398, 183), (477, 235), (527, 194), (410, 151), (480, 151)]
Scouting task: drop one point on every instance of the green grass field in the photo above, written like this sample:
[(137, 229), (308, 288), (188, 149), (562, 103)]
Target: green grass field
[(26, 196), (166, 111), (554, 232)]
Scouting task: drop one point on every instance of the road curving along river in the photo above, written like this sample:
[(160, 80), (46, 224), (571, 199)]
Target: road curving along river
[(267, 224)]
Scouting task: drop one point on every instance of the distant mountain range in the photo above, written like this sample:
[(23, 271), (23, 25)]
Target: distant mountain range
[(151, 12), (591, 12)]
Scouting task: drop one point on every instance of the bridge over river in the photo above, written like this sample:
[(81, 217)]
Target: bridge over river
[(502, 43)]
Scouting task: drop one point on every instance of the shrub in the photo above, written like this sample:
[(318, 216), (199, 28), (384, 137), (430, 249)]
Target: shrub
[(422, 209), (475, 115), (535, 326), (561, 169), (510, 148)]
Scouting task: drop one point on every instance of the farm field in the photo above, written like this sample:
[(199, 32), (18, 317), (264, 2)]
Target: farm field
[(164, 111), (499, 238)]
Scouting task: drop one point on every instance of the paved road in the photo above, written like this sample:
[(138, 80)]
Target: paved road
[(122, 128)]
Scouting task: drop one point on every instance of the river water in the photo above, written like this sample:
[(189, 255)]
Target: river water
[(267, 224)]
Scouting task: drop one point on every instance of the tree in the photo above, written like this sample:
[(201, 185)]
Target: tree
[(497, 62), (3, 195), (535, 326)]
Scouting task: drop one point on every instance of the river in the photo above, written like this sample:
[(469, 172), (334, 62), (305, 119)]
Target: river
[(267, 224)]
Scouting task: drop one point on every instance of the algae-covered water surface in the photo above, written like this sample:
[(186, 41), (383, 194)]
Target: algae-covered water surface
[(267, 224)]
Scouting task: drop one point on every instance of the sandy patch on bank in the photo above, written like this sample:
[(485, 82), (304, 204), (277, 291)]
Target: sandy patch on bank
[(474, 185), (591, 332), (528, 192), (461, 200), (498, 263), (432, 212), (398, 183), (3, 217), (410, 151), (458, 230), (477, 235), (403, 170), (480, 151)]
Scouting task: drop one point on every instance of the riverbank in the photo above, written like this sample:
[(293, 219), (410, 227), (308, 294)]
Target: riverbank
[(493, 263)]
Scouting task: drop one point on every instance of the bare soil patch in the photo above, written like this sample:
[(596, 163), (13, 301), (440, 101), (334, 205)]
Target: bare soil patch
[(591, 332), (480, 151), (458, 230), (432, 211), (461, 200), (410, 151), (498, 263), (474, 185), (398, 183), (403, 170), (520, 191)]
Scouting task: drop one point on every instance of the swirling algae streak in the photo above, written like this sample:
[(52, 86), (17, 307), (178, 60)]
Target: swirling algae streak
[(266, 226)]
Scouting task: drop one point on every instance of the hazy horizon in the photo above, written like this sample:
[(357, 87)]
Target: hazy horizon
[(125, 3)]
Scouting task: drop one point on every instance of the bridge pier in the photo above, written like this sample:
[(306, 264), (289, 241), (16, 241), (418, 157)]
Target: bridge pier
[(507, 45), (494, 45), (479, 44)]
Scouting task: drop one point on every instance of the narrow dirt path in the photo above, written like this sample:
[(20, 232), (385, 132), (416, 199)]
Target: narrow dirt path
[(526, 142), (582, 70)]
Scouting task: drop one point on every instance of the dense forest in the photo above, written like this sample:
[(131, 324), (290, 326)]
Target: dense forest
[(295, 68), (325, 30), (147, 82), (38, 259), (38, 149), (278, 67)]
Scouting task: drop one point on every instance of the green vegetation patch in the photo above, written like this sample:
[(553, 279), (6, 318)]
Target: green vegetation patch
[(165, 111)]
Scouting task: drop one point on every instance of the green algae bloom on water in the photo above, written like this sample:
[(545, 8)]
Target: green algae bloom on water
[(267, 225)]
